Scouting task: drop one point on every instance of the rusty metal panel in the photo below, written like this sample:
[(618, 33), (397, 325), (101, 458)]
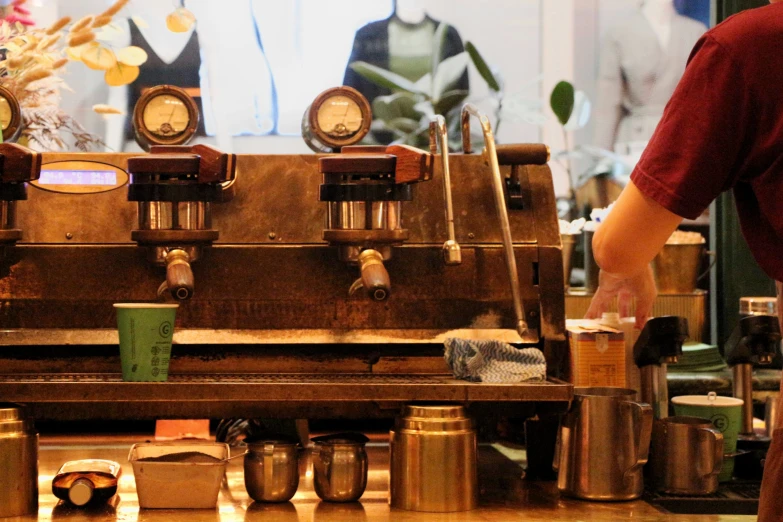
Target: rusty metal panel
[(276, 202), (265, 288)]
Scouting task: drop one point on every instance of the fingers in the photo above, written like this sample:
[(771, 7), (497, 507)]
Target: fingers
[(624, 300), (600, 304)]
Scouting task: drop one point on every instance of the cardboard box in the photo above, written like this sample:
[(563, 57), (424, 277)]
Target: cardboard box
[(598, 354)]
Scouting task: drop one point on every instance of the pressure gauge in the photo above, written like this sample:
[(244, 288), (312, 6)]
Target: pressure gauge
[(10, 115), (337, 118), (165, 115)]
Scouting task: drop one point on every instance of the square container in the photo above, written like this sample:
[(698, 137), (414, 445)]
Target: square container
[(175, 485)]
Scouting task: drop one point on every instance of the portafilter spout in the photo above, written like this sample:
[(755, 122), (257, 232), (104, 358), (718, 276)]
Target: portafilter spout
[(452, 253), (500, 206), (659, 345), (755, 340)]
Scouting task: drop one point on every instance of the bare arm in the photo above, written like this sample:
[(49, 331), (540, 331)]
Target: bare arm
[(630, 237), (633, 233)]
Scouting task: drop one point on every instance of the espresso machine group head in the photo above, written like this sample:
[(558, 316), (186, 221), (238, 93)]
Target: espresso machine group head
[(658, 345), (18, 166), (175, 187), (365, 188)]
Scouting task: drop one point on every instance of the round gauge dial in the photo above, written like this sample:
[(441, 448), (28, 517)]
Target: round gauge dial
[(10, 115), (337, 118), (165, 115)]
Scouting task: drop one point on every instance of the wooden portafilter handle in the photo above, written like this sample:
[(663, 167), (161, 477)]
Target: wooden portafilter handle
[(375, 277), (179, 275), (523, 154)]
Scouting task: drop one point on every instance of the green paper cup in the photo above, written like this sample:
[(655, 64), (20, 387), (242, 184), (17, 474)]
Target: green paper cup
[(725, 413), (145, 340)]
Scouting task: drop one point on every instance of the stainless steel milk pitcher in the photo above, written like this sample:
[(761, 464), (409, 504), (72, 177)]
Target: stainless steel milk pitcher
[(602, 445)]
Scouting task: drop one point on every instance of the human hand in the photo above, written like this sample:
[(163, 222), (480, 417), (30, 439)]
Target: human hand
[(642, 287)]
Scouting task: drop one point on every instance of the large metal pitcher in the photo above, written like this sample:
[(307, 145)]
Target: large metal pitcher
[(602, 445)]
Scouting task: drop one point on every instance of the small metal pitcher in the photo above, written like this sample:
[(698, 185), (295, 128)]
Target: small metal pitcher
[(602, 445), (686, 456), (340, 464), (272, 470)]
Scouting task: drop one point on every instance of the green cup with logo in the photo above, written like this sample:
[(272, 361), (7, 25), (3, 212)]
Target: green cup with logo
[(725, 413), (145, 331)]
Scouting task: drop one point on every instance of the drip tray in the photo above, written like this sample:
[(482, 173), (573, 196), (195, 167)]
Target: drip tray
[(735, 498)]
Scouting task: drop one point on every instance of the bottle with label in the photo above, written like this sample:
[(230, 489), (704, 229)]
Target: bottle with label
[(88, 481)]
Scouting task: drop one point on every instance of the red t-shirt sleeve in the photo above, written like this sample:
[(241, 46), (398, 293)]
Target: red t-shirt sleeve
[(696, 150)]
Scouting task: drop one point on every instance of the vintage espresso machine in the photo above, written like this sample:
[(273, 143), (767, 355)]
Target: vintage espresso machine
[(272, 330)]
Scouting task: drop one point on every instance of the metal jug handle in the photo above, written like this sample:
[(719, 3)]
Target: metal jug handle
[(715, 437), (269, 464), (642, 422)]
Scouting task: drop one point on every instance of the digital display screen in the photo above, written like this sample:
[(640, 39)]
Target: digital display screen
[(78, 177)]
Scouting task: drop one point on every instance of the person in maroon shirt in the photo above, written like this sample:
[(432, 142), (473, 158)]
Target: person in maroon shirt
[(722, 130)]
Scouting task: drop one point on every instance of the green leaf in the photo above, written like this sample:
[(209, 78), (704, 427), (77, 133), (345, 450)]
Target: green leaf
[(562, 101), (397, 105), (384, 78), (450, 100), (404, 125), (581, 113), (482, 67), (424, 85), (438, 43), (447, 75)]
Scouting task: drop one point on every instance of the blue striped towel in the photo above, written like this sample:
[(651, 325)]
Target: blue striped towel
[(493, 361)]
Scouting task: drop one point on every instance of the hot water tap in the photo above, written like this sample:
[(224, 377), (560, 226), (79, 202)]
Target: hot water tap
[(175, 187), (659, 345)]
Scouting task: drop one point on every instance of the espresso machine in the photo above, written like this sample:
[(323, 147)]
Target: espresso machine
[(755, 341), (659, 344), (272, 331), (18, 167)]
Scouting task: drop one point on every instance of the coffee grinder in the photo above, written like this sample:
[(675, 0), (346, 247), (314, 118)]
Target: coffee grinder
[(755, 340), (658, 345)]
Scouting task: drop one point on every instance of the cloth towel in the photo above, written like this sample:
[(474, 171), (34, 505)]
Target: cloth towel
[(493, 361)]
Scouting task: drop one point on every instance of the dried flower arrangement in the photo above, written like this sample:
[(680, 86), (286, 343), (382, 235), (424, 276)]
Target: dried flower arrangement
[(34, 59)]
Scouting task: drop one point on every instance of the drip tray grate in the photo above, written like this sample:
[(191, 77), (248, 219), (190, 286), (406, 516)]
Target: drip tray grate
[(734, 498)]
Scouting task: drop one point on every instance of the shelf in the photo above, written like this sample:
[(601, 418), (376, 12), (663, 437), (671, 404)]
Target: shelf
[(274, 388)]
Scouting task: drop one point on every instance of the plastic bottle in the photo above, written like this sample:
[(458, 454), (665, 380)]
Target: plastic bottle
[(89, 481)]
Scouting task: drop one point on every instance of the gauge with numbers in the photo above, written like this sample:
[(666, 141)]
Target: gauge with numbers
[(337, 118), (10, 115), (165, 115)]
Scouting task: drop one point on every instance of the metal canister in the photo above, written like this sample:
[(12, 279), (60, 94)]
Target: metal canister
[(433, 460), (19, 457)]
